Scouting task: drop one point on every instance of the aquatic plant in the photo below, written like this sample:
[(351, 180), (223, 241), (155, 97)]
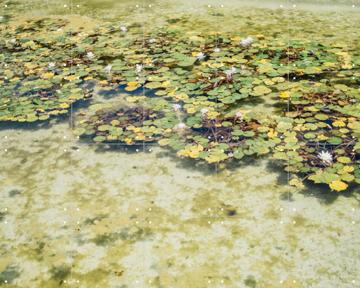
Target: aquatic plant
[(198, 95)]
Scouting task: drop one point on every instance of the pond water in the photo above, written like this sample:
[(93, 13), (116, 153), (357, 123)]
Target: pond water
[(79, 214)]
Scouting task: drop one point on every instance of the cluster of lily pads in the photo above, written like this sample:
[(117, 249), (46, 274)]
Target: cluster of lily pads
[(199, 86)]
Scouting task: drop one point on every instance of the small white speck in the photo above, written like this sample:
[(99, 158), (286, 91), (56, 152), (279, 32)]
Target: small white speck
[(65, 209), (149, 209), (294, 222), (281, 6), (65, 5), (78, 6), (137, 6), (294, 6), (281, 222), (294, 209), (5, 150), (150, 5), (136, 209), (209, 6), (64, 222)]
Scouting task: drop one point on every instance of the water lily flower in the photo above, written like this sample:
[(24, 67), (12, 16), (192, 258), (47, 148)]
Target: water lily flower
[(204, 111), (108, 68), (217, 50), (152, 40), (51, 65), (138, 68), (246, 41), (181, 126), (238, 115), (123, 29), (230, 73), (325, 157), (176, 107), (13, 41), (200, 56), (90, 55)]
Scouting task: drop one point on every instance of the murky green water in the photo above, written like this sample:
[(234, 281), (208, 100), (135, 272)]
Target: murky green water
[(76, 214)]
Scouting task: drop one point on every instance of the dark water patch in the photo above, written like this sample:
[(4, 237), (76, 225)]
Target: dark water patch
[(104, 147), (9, 274), (60, 273), (14, 192), (250, 282), (93, 220), (325, 195), (132, 235), (36, 125), (286, 196)]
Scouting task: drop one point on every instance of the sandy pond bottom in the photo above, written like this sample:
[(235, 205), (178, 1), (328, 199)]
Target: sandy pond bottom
[(79, 215)]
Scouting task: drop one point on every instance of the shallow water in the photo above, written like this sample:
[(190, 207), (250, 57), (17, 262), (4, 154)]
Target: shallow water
[(87, 215)]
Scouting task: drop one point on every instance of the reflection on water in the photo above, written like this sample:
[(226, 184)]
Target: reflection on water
[(96, 216)]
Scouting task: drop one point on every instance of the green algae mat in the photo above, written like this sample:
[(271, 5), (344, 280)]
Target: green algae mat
[(190, 93)]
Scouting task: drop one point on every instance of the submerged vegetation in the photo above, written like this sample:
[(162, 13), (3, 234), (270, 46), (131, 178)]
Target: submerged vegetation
[(200, 87)]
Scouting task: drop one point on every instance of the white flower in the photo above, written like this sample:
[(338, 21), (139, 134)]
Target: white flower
[(138, 68), (200, 56), (181, 126), (176, 107), (326, 157), (204, 111), (123, 29), (152, 40), (230, 73), (108, 68), (217, 50), (13, 41), (90, 55), (51, 65), (246, 41), (238, 114)]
